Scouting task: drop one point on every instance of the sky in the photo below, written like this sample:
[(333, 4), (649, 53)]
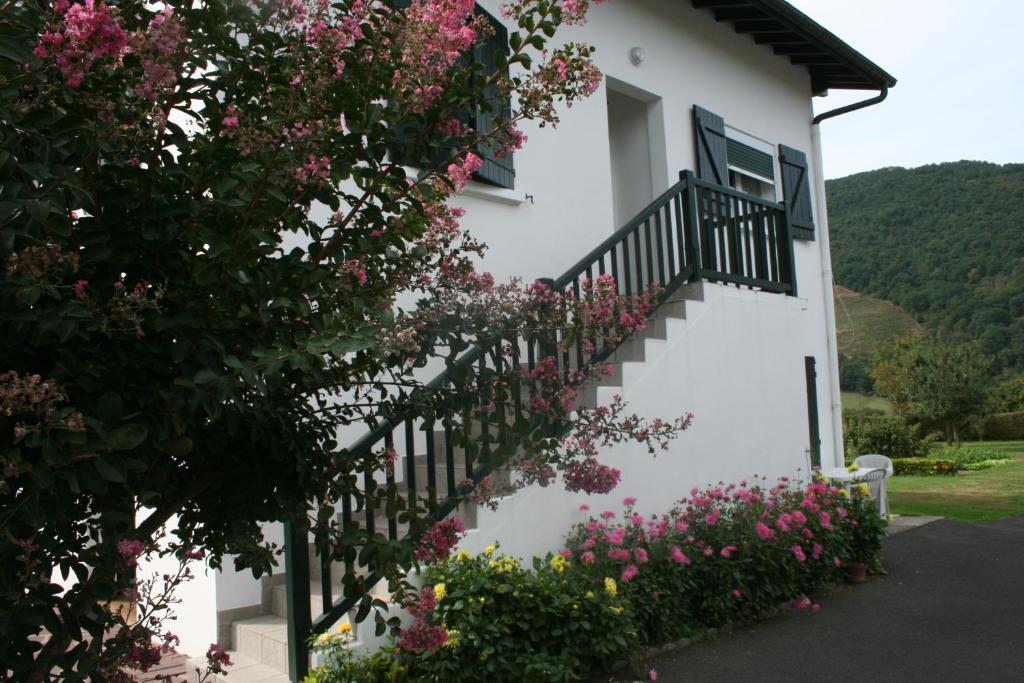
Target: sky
[(959, 94)]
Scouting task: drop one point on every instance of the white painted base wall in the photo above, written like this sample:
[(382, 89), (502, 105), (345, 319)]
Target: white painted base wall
[(717, 363)]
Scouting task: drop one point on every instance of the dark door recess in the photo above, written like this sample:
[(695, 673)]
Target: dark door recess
[(812, 410)]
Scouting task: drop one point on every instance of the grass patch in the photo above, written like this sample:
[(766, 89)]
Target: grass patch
[(863, 323), (862, 404), (969, 496)]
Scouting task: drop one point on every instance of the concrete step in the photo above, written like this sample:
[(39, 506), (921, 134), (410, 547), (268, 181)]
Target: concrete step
[(279, 600), (263, 639), (244, 669)]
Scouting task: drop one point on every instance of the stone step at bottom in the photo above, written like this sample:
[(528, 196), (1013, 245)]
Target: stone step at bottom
[(243, 669)]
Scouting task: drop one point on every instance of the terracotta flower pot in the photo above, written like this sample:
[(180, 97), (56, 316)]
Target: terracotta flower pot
[(856, 572)]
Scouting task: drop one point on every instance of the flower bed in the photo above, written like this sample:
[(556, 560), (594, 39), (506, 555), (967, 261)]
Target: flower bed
[(723, 555), (923, 466)]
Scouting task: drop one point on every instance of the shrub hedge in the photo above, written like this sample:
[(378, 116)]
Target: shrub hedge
[(891, 436), (1002, 427), (923, 466)]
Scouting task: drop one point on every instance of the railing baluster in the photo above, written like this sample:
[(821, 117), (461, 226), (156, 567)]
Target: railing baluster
[(722, 225), (747, 234), (625, 266), (428, 430), (449, 456), (326, 592), (410, 459), (649, 252), (693, 228), (346, 522), (773, 245), (389, 446), (670, 249), (660, 244), (733, 235), (368, 486), (639, 264)]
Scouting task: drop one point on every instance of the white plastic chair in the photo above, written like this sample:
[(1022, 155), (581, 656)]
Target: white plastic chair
[(879, 490), (875, 480)]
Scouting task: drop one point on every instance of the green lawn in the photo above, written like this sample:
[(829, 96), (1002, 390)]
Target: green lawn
[(858, 404), (970, 496)]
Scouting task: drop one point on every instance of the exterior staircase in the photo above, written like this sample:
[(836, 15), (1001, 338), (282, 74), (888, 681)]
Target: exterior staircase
[(694, 232)]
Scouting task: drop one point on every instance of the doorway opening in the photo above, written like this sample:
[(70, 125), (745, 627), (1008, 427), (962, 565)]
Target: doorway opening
[(636, 136)]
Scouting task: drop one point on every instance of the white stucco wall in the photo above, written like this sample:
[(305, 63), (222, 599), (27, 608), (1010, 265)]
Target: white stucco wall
[(738, 362)]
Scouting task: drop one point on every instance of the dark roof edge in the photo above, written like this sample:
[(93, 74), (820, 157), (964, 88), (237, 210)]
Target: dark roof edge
[(830, 41)]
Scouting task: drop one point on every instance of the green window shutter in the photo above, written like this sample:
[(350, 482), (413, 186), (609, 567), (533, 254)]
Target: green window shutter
[(495, 170), (712, 153), (796, 192), (750, 159)]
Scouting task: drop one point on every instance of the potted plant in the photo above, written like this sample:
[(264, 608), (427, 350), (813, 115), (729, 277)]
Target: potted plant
[(864, 536)]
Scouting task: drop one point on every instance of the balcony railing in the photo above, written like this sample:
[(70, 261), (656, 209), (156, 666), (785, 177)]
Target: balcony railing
[(694, 231)]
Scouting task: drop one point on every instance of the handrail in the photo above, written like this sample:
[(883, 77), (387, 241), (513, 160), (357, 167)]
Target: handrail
[(694, 230)]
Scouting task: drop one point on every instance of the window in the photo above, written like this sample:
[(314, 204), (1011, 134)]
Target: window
[(498, 171)]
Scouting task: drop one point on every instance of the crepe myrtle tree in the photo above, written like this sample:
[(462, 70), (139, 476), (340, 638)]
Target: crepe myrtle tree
[(181, 337)]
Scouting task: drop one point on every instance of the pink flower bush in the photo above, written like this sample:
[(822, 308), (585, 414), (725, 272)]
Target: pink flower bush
[(699, 541)]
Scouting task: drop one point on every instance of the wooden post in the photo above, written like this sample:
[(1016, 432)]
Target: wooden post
[(296, 563)]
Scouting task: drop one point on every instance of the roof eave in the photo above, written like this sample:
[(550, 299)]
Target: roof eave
[(832, 63)]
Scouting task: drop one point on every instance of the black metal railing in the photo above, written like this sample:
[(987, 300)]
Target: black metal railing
[(695, 230)]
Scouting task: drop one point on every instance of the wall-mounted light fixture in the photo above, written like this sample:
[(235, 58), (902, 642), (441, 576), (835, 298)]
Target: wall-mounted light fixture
[(637, 56)]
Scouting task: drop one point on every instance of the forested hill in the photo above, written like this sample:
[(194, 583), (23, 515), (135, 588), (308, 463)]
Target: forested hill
[(945, 242)]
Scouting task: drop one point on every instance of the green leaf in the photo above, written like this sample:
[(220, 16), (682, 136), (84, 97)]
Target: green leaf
[(126, 437), (109, 471)]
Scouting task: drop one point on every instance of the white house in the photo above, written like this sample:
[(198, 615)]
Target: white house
[(702, 151)]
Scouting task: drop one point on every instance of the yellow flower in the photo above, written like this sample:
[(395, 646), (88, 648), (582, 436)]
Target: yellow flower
[(590, 594), (490, 549), (323, 639), (559, 563), (440, 590), (452, 641), (844, 493), (853, 468), (463, 555), (610, 587), (482, 600), (504, 564), (345, 628), (864, 490), (618, 610)]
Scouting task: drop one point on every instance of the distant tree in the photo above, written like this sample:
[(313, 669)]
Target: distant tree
[(1008, 395), (853, 375), (934, 379)]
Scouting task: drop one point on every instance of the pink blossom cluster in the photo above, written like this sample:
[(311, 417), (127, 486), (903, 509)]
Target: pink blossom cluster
[(437, 543), (432, 36), (87, 32), (157, 47), (37, 398), (313, 171), (356, 270), (130, 550), (575, 11), (422, 635), (461, 174), (217, 658)]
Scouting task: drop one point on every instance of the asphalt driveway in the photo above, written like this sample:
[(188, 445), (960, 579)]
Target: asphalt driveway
[(950, 609)]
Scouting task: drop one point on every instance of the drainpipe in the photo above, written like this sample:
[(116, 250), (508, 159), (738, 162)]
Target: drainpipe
[(830, 309), (835, 397), (852, 107)]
